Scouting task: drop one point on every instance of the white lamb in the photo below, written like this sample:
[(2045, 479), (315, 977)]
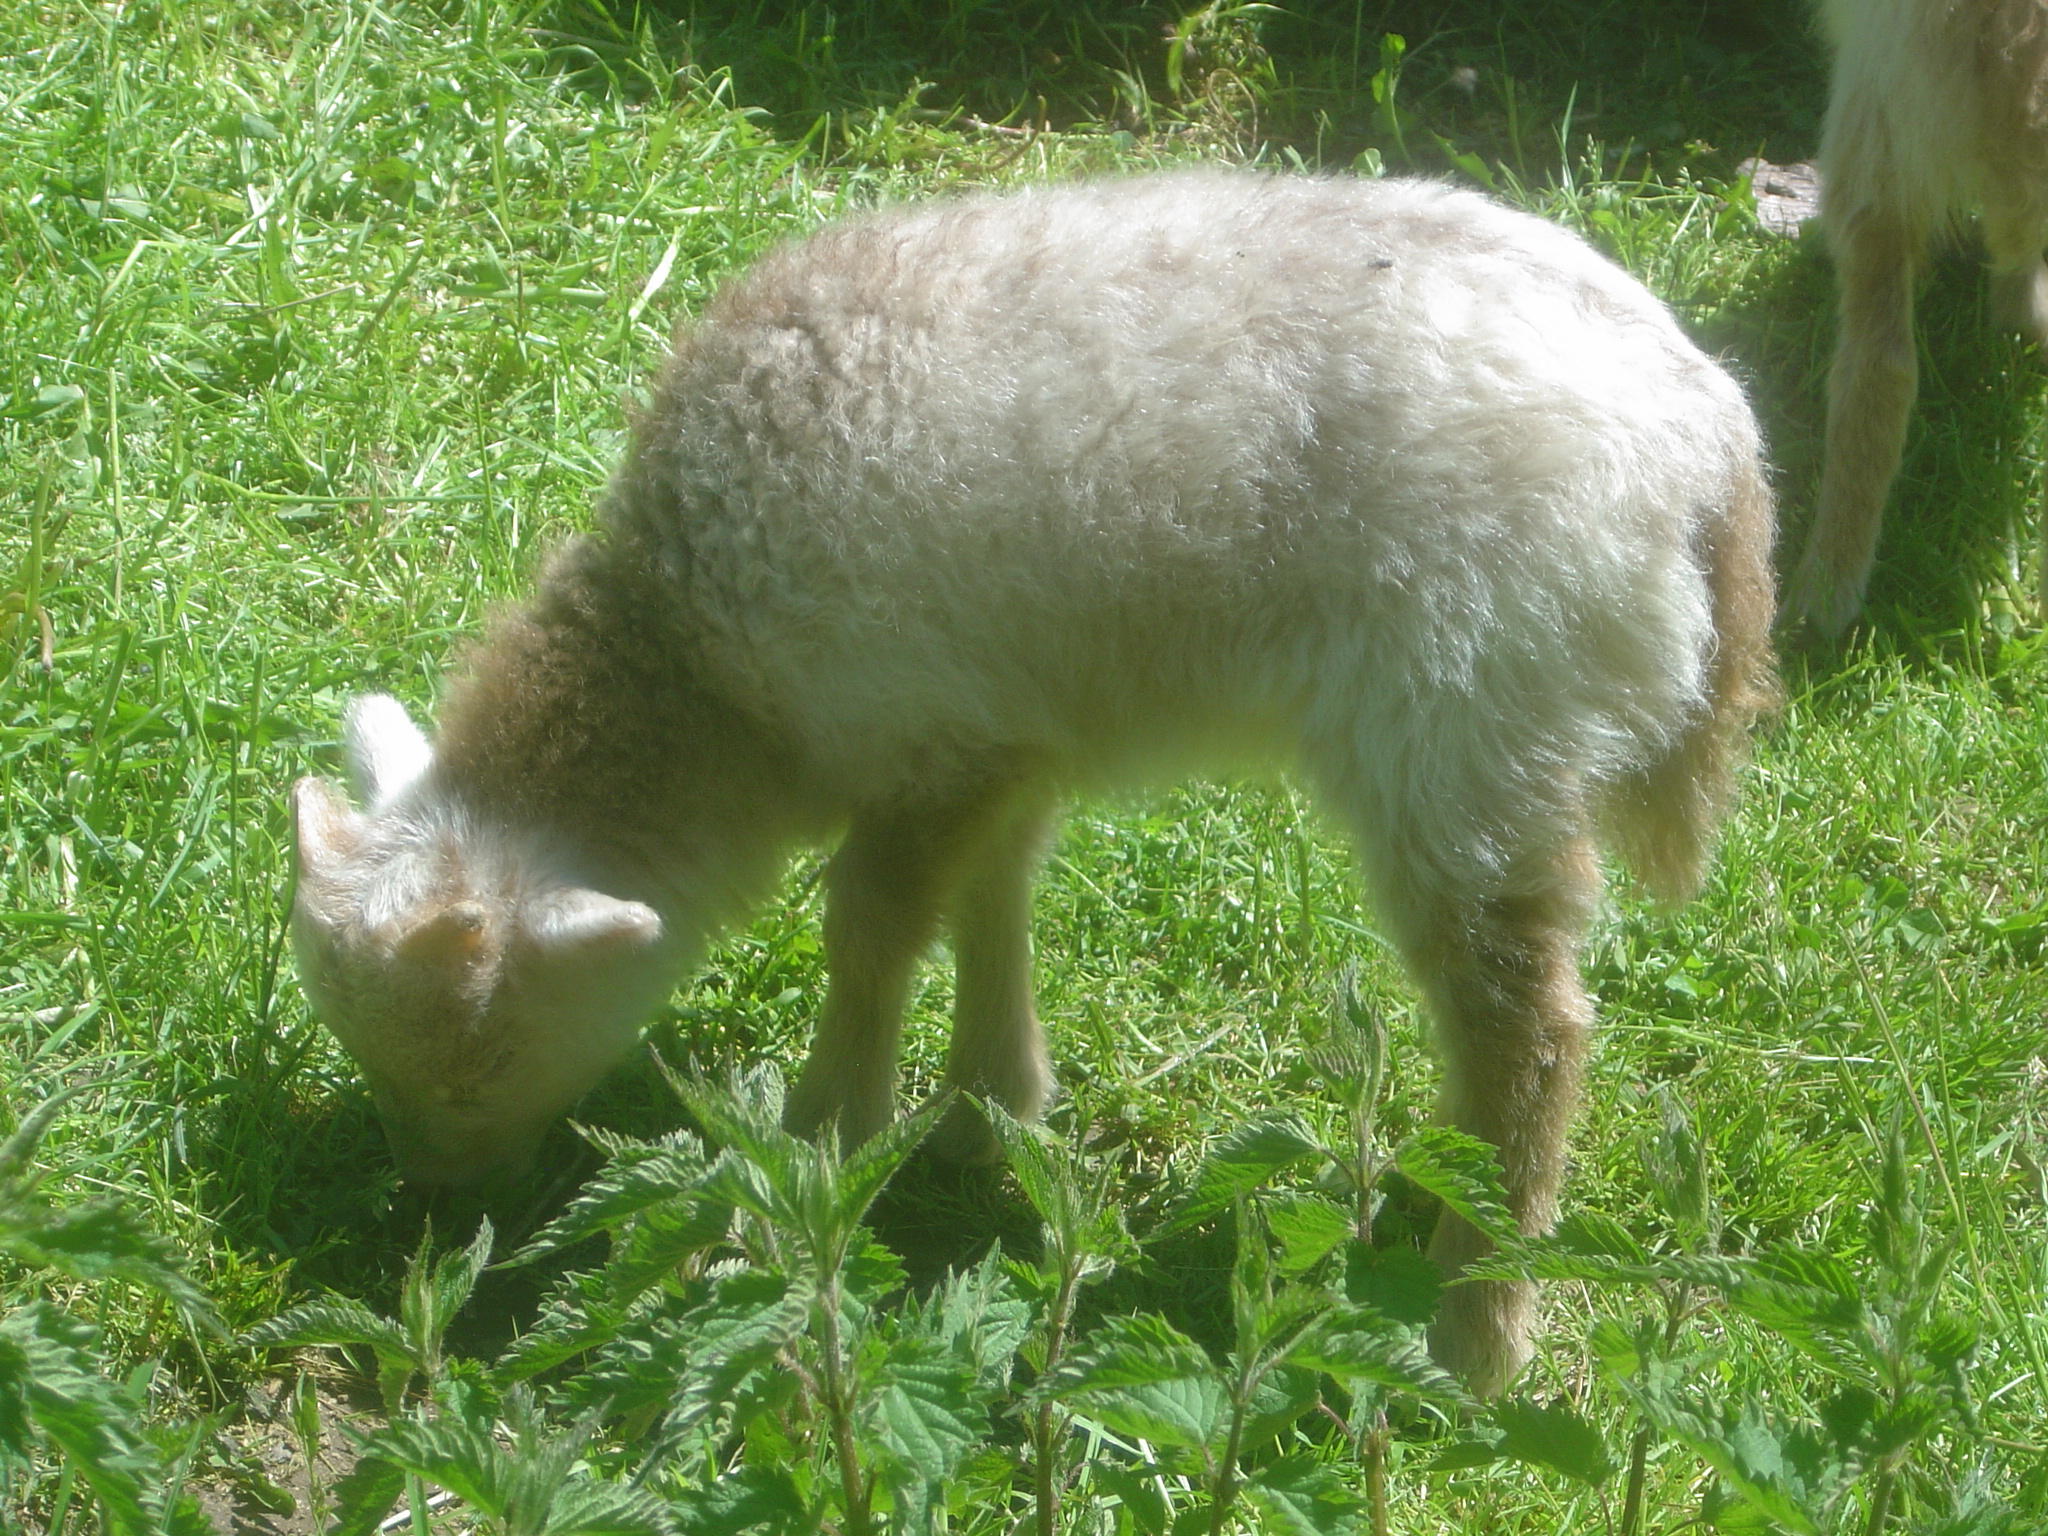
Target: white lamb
[(1937, 107), (948, 513)]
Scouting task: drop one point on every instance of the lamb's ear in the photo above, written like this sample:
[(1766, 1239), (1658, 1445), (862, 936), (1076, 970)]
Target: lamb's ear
[(386, 751), (446, 935), (324, 829), (567, 922)]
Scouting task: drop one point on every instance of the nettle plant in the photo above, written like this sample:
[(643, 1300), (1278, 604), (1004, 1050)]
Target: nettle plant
[(57, 1405), (747, 1359)]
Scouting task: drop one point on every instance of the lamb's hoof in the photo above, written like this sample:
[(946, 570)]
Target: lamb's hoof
[(1481, 1333), (1820, 605), (963, 1138)]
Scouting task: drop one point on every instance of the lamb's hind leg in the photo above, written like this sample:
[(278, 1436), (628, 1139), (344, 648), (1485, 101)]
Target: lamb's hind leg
[(1870, 395), (884, 891), (998, 1051), (1500, 970)]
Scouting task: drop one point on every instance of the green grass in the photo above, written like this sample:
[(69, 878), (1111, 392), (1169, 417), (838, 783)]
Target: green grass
[(316, 327)]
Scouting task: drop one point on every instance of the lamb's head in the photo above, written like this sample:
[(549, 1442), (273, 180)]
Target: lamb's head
[(481, 992)]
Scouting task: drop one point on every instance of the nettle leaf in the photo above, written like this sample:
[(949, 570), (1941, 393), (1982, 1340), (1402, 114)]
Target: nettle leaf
[(62, 1390), (23, 1140), (659, 1241), (1079, 1217), (757, 1501), (584, 1506), (1676, 1163), (1299, 1496), (752, 1317), (431, 1298), (978, 1313), (579, 1317), (1555, 1437), (925, 1410), (1240, 1161), (333, 1320), (1137, 1490), (1401, 1284), (1809, 1300), (875, 1161), (1284, 1393), (365, 1496), (1620, 1350), (1141, 1376), (1308, 1229), (1586, 1246), (462, 1458), (1464, 1173), (1760, 1465), (1355, 1344), (103, 1240), (640, 1176)]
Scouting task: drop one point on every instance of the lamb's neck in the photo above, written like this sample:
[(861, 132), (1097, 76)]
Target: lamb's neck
[(579, 719)]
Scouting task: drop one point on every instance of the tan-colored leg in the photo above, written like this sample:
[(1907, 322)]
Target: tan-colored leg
[(998, 1051), (1870, 395), (1512, 1022), (2019, 298), (885, 889)]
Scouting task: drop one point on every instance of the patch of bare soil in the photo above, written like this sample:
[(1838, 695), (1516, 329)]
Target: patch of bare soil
[(270, 1488)]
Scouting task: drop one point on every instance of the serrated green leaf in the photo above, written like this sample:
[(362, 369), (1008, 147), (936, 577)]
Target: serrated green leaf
[(875, 1161), (1137, 1491), (1141, 1376), (1616, 1347), (662, 1239), (1239, 1162), (978, 1313), (1464, 1173), (925, 1411), (1463, 1455), (756, 1501), (1308, 1228), (1552, 1436), (23, 1140), (751, 1318), (331, 1320), (587, 1506), (1299, 1496), (639, 1176), (1354, 1344), (1756, 1462), (364, 1496), (1676, 1164), (63, 1393), (447, 1290), (1400, 1283)]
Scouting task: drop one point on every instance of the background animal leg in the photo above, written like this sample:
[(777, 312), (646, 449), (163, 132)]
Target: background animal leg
[(1870, 395)]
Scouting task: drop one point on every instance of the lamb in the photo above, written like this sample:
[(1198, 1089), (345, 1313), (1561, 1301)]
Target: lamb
[(1937, 106), (946, 514)]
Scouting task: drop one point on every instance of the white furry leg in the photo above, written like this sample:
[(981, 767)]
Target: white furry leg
[(1870, 394), (998, 1051), (881, 909)]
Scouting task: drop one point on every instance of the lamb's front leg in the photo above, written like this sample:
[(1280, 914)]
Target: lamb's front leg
[(882, 895), (998, 1051)]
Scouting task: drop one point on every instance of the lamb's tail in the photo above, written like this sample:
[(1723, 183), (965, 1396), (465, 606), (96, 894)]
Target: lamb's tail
[(1662, 819)]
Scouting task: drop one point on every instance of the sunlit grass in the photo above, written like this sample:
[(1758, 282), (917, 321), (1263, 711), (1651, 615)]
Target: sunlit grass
[(317, 329)]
